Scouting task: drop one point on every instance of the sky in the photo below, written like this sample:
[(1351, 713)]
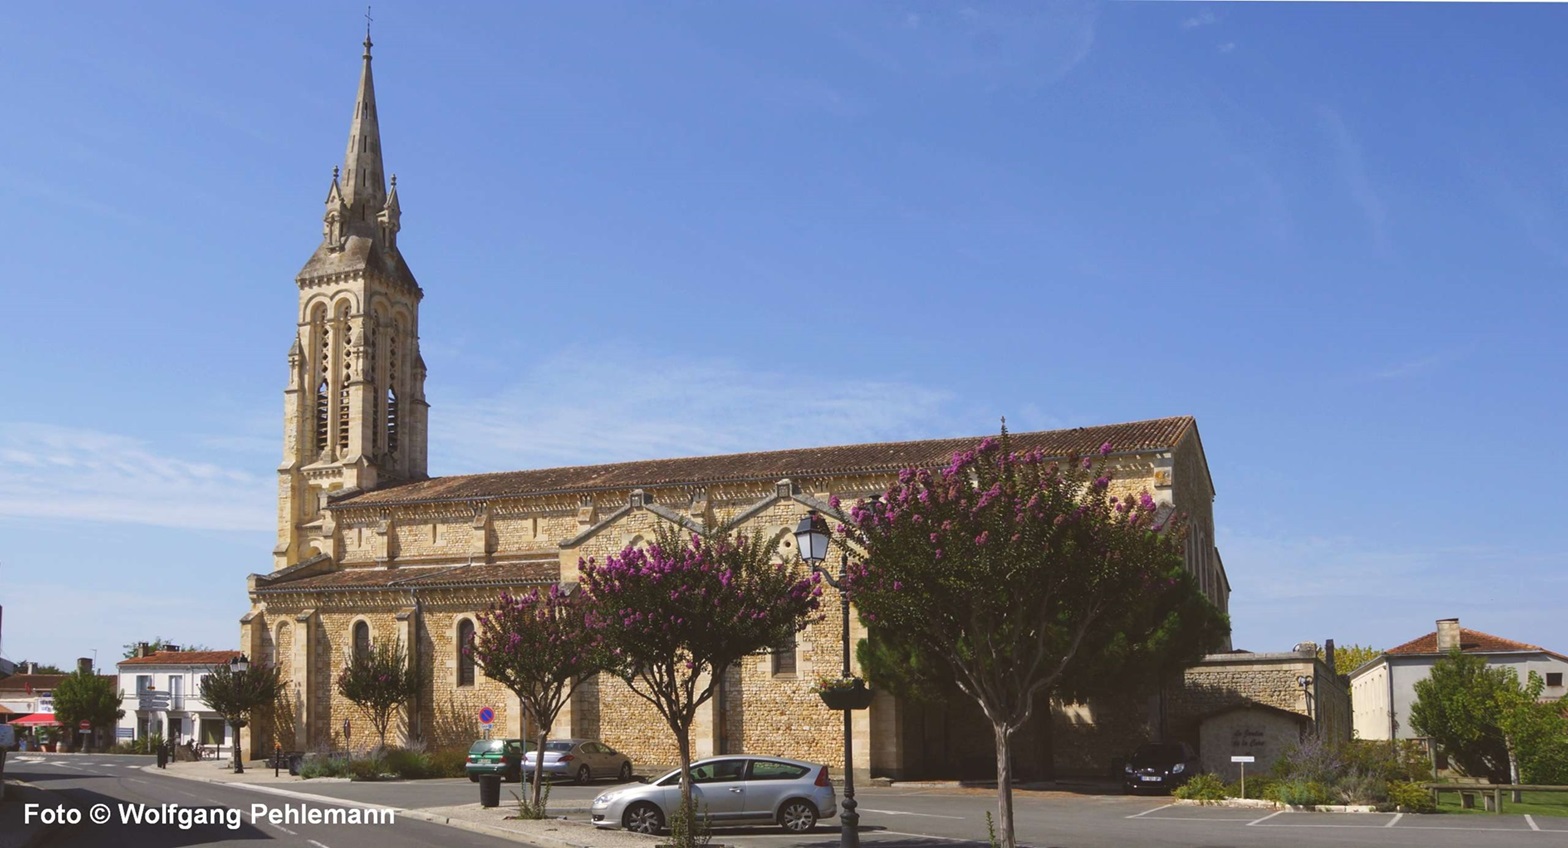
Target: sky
[(1335, 234)]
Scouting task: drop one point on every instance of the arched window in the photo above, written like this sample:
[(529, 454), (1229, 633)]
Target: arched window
[(465, 658), (361, 640)]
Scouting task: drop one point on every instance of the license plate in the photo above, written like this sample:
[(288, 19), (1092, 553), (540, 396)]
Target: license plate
[(1147, 779)]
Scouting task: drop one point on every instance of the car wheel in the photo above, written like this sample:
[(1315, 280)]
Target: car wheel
[(626, 773), (643, 818), (583, 775), (797, 816), (473, 778)]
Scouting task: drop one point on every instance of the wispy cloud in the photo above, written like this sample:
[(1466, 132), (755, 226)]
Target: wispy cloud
[(63, 472), (1029, 46), (1227, 47), (1292, 588), (1421, 364), (1202, 19), (1352, 166), (589, 406)]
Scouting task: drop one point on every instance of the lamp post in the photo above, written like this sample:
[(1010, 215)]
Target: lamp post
[(1305, 682), (812, 538), (239, 665)]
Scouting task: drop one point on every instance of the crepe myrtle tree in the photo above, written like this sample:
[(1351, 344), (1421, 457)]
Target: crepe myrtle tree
[(241, 696), (540, 645), (675, 615), (379, 682), (1000, 568)]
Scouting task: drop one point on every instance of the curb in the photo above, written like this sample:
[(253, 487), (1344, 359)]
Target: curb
[(400, 812)]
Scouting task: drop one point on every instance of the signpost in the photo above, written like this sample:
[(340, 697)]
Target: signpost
[(486, 718), (1243, 759)]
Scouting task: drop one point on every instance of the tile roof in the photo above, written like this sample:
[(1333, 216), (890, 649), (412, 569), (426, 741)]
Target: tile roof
[(1470, 641), (204, 658), (882, 457), (20, 682), (544, 569)]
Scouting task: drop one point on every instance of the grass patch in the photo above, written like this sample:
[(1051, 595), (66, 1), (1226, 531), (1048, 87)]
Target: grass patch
[(1534, 804)]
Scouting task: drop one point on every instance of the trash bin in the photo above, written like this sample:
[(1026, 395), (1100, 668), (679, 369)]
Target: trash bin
[(489, 790), (294, 764)]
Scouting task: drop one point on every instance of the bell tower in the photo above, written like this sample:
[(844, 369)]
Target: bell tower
[(354, 410)]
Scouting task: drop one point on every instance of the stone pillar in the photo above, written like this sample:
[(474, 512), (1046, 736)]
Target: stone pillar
[(407, 630), (304, 663)]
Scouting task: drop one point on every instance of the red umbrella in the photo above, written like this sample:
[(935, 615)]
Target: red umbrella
[(35, 720)]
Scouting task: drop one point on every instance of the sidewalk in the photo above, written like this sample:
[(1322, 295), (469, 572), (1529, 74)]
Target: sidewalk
[(545, 833)]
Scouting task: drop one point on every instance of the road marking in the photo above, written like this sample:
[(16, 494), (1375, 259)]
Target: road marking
[(924, 836), (1531, 822), (1265, 818), (315, 843), (902, 813), (1155, 810), (282, 828), (1397, 816)]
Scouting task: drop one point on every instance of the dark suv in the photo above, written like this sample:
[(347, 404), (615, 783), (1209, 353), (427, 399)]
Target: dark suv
[(1159, 765)]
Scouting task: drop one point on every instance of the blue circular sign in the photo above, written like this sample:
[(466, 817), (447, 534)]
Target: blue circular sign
[(486, 715)]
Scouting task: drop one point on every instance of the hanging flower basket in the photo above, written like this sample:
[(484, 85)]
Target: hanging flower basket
[(844, 693)]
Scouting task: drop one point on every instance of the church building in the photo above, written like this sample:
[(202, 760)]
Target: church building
[(371, 549)]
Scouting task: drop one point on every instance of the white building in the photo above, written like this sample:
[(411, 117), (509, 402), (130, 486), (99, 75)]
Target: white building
[(161, 695), (1382, 690)]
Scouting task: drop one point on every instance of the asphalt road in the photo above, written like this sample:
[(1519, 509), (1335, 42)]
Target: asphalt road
[(81, 784), (891, 817)]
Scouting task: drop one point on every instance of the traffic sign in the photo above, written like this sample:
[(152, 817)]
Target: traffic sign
[(85, 724), (1243, 759), (486, 715)]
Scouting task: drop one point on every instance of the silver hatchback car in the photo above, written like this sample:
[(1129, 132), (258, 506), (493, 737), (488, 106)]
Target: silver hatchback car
[(732, 791)]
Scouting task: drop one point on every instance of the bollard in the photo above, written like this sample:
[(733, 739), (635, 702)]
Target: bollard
[(489, 790)]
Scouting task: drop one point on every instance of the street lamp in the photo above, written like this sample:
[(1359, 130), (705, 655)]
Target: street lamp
[(239, 665), (1305, 682), (811, 537)]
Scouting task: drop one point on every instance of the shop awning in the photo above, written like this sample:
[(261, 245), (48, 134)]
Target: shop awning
[(35, 720)]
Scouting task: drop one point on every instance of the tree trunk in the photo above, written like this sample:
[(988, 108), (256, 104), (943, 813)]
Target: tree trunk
[(1004, 787), (688, 807), (1513, 769), (544, 734), (1047, 745)]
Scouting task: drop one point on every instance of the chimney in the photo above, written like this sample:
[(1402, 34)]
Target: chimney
[(1447, 635), (84, 665), (29, 668), (1328, 656), (143, 649)]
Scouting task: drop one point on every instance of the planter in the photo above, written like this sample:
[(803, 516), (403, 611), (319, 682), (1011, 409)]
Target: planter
[(857, 698)]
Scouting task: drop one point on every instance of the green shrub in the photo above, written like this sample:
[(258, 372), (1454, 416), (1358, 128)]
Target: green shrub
[(1304, 793), (324, 766), (367, 768), (448, 763), (1361, 787), (1410, 797), (1257, 786), (411, 765), (1203, 787)]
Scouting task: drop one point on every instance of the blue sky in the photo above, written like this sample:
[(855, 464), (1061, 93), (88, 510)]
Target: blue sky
[(1336, 234)]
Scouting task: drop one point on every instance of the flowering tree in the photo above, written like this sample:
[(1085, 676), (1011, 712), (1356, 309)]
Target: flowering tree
[(241, 696), (999, 569), (540, 646), (677, 614), (379, 681)]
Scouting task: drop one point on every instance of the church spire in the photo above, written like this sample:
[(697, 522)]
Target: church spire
[(364, 187)]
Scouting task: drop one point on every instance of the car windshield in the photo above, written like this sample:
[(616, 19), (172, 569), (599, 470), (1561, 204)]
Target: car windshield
[(1157, 754), (487, 745)]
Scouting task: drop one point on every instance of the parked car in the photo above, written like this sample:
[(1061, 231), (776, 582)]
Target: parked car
[(496, 756), (581, 760), (733, 790), (1160, 765)]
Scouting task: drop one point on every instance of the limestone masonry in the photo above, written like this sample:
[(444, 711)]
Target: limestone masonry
[(368, 542)]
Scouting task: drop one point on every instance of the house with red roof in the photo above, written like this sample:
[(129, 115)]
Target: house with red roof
[(1382, 689), (160, 692)]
